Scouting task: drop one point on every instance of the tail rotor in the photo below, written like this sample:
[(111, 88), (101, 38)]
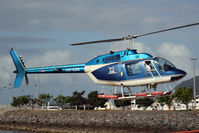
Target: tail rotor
[(23, 63)]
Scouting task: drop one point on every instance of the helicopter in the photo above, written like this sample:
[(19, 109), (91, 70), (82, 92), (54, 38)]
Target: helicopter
[(125, 68)]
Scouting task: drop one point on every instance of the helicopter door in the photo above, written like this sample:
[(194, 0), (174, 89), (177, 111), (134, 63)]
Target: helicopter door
[(133, 70), (121, 75)]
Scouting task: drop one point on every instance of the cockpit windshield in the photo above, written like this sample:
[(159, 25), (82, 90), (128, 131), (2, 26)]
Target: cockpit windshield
[(163, 64)]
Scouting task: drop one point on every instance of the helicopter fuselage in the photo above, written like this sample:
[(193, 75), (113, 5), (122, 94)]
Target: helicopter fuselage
[(127, 68)]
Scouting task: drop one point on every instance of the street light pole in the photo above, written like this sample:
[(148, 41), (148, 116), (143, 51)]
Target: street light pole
[(0, 95), (9, 97), (5, 94), (194, 81), (38, 86)]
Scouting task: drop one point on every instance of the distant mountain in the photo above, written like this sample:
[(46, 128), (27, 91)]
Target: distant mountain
[(189, 83)]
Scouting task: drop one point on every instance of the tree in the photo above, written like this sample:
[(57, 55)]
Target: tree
[(16, 102), (34, 101), (165, 100), (21, 100), (184, 95), (26, 100), (77, 99), (68, 99), (122, 103), (45, 98), (144, 102), (93, 101), (60, 100)]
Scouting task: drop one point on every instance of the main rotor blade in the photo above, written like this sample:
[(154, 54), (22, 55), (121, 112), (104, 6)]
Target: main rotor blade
[(100, 41), (155, 32), (134, 36)]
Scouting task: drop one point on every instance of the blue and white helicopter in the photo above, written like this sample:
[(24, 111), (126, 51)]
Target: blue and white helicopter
[(126, 68)]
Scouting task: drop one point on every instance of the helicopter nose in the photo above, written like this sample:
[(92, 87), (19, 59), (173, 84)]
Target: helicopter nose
[(183, 72), (178, 74)]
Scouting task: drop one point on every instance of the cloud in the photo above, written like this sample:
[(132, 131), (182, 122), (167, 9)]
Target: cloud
[(87, 15), (51, 57), (22, 39), (50, 82), (178, 54), (6, 69), (175, 52), (21, 42)]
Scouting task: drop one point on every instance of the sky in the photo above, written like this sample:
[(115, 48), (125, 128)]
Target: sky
[(41, 31)]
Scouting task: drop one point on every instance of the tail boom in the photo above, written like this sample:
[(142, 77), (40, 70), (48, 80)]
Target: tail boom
[(22, 71), (75, 68)]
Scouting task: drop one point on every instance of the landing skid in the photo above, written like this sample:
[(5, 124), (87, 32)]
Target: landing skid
[(131, 96), (145, 95)]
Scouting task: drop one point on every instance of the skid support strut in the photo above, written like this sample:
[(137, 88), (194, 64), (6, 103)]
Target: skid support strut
[(122, 90), (130, 92), (149, 88)]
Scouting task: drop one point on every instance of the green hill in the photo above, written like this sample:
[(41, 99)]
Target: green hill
[(189, 83)]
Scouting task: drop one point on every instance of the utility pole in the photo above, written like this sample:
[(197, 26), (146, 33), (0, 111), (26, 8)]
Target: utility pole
[(194, 81), (38, 86), (9, 94), (5, 94), (0, 95)]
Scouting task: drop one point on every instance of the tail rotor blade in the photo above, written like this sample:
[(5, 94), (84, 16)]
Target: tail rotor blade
[(26, 78)]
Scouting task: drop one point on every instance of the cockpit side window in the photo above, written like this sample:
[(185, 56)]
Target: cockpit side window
[(133, 68), (163, 64), (159, 66), (148, 65)]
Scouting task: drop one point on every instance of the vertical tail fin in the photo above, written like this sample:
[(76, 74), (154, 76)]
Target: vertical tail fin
[(21, 71)]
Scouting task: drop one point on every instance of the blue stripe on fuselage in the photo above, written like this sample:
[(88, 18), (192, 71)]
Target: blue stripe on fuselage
[(118, 57), (75, 68)]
